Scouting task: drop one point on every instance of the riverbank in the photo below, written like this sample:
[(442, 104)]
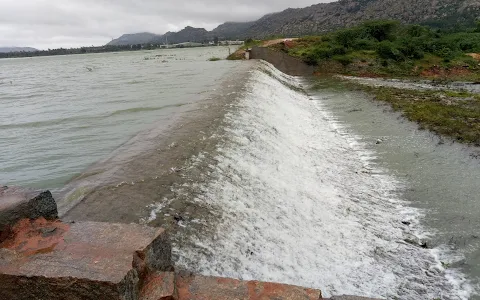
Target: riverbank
[(449, 113)]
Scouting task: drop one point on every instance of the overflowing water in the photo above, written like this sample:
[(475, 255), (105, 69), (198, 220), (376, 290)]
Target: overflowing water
[(274, 178), (305, 203)]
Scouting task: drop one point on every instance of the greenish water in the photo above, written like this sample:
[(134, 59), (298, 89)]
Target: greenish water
[(60, 114)]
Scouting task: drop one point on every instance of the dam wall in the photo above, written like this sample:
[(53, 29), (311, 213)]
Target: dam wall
[(282, 61)]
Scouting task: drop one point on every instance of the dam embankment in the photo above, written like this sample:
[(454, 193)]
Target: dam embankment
[(282, 61)]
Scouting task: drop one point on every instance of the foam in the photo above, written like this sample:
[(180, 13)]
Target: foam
[(303, 203)]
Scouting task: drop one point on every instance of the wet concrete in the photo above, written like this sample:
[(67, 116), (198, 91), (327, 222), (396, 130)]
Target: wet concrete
[(282, 61)]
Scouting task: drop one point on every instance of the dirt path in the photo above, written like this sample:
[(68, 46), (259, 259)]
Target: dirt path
[(277, 41)]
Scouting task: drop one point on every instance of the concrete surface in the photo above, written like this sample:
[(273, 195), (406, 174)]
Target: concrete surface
[(282, 61)]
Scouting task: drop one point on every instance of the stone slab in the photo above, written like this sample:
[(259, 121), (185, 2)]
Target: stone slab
[(197, 287), (44, 259), (344, 297), (159, 286)]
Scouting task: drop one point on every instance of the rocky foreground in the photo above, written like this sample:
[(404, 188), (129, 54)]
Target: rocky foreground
[(42, 257)]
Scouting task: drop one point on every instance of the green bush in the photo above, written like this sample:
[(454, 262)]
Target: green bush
[(411, 48), (364, 44), (387, 50), (347, 37), (381, 30), (394, 45)]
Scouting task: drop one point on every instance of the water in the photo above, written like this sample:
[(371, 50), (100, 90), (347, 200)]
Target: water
[(269, 182), (308, 198), (61, 114), (441, 177)]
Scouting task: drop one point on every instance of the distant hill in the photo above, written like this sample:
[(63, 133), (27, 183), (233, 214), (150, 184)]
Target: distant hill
[(134, 39), (188, 34), (326, 17), (17, 49), (231, 30)]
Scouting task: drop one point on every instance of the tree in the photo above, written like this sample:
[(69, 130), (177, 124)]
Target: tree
[(347, 37), (381, 30)]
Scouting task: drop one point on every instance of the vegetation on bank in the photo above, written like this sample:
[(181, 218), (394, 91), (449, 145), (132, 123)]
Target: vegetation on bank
[(452, 114), (387, 48)]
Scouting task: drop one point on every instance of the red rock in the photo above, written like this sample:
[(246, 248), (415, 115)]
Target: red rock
[(191, 287), (159, 286), (53, 260), (19, 203)]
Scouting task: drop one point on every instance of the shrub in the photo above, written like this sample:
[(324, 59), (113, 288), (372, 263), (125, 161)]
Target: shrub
[(411, 48), (348, 37), (345, 60), (387, 50), (364, 44), (417, 31), (381, 30)]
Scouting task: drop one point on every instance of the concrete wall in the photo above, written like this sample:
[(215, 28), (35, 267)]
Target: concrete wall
[(282, 61)]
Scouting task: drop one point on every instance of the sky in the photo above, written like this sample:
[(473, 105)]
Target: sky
[(44, 24)]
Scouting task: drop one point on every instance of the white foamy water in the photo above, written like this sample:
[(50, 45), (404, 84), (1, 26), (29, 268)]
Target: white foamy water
[(304, 204)]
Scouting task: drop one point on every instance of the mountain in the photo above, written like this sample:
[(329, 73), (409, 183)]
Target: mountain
[(327, 16), (188, 34), (324, 17), (17, 49), (134, 39), (231, 30)]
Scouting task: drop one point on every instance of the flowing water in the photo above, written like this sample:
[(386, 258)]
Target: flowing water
[(268, 176), (309, 198)]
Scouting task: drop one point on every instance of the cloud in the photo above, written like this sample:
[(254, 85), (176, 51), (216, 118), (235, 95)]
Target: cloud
[(72, 23)]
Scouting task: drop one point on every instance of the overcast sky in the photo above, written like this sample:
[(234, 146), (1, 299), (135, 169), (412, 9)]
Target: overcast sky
[(47, 24)]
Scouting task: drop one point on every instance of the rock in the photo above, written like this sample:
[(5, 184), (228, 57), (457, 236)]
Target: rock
[(19, 203), (406, 223), (350, 298), (52, 260), (415, 241), (159, 286), (378, 142), (191, 287)]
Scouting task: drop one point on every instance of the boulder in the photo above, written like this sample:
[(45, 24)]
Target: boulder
[(20, 203)]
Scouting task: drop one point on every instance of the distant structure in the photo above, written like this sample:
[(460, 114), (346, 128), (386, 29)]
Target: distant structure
[(226, 43)]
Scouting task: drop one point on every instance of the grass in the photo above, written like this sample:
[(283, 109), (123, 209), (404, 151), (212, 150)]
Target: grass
[(443, 112), (214, 59)]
